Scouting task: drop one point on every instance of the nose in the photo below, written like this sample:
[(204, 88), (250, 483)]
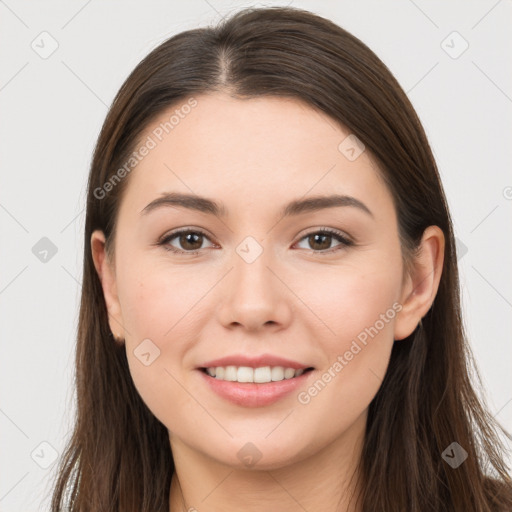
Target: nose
[(254, 296)]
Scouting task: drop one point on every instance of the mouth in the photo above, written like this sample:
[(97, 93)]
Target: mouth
[(260, 375), (249, 387)]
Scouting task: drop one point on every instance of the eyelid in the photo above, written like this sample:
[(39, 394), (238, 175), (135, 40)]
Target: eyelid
[(330, 231), (185, 229)]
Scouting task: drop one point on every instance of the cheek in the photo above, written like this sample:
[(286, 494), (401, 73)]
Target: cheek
[(358, 312), (158, 313), (350, 301), (156, 302)]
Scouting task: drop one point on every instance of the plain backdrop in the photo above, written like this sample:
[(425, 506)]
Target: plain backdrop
[(61, 65)]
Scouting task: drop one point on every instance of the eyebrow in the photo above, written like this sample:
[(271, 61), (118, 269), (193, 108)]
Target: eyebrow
[(296, 207)]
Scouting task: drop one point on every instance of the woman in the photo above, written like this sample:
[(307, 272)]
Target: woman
[(270, 313)]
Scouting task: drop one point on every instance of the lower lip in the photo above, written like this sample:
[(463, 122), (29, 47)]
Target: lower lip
[(249, 394)]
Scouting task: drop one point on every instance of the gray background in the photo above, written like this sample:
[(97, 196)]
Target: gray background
[(52, 110)]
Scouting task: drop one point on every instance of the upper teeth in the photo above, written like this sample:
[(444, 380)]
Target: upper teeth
[(248, 374)]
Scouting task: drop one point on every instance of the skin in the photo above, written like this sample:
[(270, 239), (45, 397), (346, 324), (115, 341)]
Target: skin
[(255, 156)]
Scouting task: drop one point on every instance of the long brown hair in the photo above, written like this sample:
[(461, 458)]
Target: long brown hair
[(118, 457)]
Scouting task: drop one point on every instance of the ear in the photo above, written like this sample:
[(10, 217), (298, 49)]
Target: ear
[(421, 283), (106, 272)]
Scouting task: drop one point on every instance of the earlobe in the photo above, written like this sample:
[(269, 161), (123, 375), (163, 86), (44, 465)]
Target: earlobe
[(421, 285), (106, 274)]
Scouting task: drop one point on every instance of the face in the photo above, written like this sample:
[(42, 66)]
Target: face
[(320, 287)]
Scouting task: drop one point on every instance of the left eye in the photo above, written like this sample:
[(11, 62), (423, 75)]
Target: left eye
[(323, 238), (191, 241)]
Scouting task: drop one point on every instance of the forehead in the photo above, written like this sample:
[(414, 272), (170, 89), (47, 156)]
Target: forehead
[(249, 151)]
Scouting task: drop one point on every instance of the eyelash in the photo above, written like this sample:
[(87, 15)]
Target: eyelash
[(345, 241)]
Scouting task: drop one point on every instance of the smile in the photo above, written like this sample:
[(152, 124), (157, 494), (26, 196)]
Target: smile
[(250, 393), (259, 375)]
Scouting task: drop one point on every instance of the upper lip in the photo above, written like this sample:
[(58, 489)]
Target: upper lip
[(255, 362)]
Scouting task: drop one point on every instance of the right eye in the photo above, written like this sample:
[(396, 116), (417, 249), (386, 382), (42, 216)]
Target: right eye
[(190, 240)]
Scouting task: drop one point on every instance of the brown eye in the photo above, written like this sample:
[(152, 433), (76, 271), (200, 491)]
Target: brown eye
[(189, 241), (320, 241)]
